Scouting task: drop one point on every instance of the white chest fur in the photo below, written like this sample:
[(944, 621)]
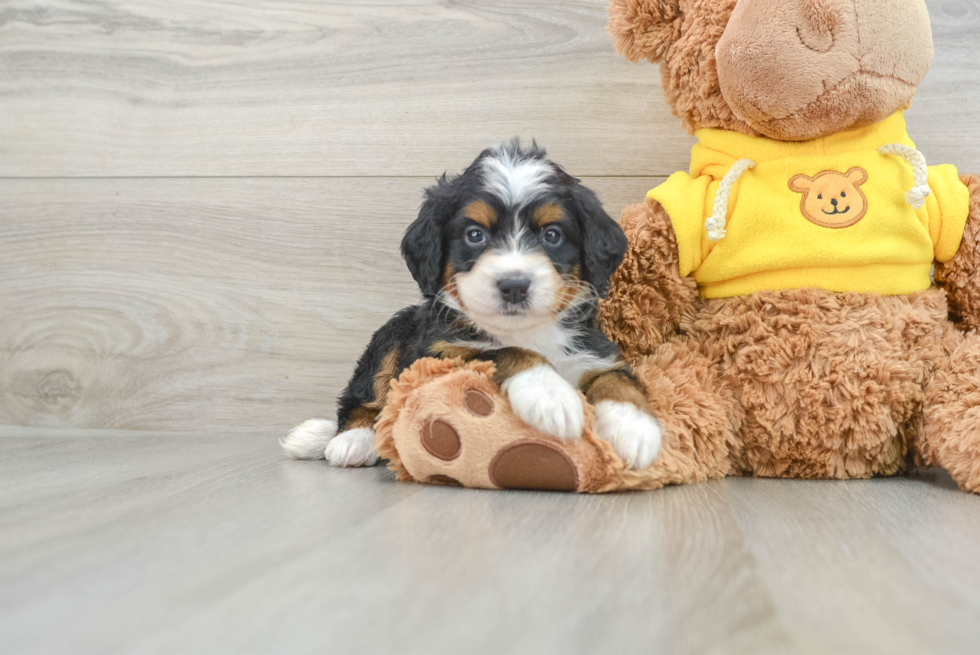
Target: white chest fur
[(555, 344)]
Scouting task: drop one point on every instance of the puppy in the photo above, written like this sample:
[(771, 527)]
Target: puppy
[(511, 257)]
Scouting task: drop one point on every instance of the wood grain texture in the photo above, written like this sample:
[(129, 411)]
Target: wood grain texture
[(145, 543), (244, 88), (200, 304)]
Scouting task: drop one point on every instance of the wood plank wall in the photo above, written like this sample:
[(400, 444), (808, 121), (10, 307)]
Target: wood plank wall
[(201, 201)]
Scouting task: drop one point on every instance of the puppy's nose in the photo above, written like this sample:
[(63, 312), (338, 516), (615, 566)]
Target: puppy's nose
[(834, 202), (513, 289)]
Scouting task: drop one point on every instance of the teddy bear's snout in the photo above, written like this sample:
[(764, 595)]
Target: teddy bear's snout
[(786, 67)]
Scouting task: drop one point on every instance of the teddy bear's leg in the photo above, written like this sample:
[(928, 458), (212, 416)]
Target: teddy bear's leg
[(448, 423), (698, 412), (950, 433)]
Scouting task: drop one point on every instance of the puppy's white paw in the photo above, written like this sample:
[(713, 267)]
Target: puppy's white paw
[(634, 434), (546, 401), (308, 439), (352, 448)]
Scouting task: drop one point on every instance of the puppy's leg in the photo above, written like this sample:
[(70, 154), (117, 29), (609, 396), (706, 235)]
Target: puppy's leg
[(623, 415), (354, 444), (538, 394), (358, 405)]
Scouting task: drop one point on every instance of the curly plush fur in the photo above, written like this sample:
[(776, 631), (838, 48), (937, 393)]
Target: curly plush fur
[(648, 295), (803, 383), (961, 275), (950, 436)]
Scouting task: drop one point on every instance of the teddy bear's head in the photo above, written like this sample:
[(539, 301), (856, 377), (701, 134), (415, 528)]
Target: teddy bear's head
[(787, 69)]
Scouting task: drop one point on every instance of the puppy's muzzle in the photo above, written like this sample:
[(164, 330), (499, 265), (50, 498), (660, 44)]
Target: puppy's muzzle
[(514, 289)]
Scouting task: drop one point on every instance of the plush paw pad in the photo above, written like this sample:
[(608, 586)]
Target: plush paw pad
[(546, 401), (533, 465), (478, 403), (352, 448), (441, 440), (634, 434)]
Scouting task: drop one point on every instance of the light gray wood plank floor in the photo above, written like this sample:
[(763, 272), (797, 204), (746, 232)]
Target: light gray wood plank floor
[(126, 542)]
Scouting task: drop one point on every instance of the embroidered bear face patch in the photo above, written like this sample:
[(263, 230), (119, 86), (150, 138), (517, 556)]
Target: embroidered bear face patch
[(832, 199)]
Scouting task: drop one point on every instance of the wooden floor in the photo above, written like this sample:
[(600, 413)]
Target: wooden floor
[(200, 210), (132, 542)]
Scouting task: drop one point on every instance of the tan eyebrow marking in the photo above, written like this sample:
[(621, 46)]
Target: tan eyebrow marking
[(481, 212), (548, 213)]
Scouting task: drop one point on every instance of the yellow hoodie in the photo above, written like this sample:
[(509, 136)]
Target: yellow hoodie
[(830, 213)]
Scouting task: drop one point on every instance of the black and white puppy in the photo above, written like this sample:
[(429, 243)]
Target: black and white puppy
[(511, 257)]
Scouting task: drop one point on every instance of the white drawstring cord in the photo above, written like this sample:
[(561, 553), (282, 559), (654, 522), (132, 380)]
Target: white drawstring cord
[(920, 172), (715, 224)]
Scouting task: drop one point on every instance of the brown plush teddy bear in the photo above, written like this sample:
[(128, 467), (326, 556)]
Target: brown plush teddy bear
[(802, 303)]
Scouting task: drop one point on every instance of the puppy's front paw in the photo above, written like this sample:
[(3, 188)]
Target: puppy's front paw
[(546, 401), (307, 440), (634, 434), (352, 448)]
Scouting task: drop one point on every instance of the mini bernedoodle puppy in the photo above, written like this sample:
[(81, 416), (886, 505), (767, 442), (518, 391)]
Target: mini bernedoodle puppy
[(511, 257)]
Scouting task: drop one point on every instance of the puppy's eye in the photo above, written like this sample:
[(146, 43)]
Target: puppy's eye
[(843, 195), (475, 236), (819, 196), (552, 235)]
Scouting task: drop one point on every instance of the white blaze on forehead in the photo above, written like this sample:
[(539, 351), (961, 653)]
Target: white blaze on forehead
[(515, 244), (515, 180)]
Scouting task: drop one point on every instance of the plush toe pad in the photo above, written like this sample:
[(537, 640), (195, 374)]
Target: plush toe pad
[(533, 465), (477, 403), (440, 439)]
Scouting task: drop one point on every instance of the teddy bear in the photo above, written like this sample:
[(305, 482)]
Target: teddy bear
[(803, 302)]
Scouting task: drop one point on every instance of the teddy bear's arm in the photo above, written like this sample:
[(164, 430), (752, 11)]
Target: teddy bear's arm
[(960, 276), (648, 295)]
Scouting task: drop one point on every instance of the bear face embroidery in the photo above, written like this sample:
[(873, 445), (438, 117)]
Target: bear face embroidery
[(832, 199)]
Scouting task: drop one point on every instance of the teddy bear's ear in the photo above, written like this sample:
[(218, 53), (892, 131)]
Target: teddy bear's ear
[(857, 176), (800, 183), (644, 29)]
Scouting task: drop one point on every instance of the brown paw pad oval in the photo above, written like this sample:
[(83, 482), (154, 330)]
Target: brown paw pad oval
[(444, 480), (477, 403), (440, 439), (533, 465)]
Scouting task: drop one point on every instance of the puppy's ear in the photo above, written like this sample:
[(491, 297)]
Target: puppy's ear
[(603, 241), (422, 245), (644, 29)]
